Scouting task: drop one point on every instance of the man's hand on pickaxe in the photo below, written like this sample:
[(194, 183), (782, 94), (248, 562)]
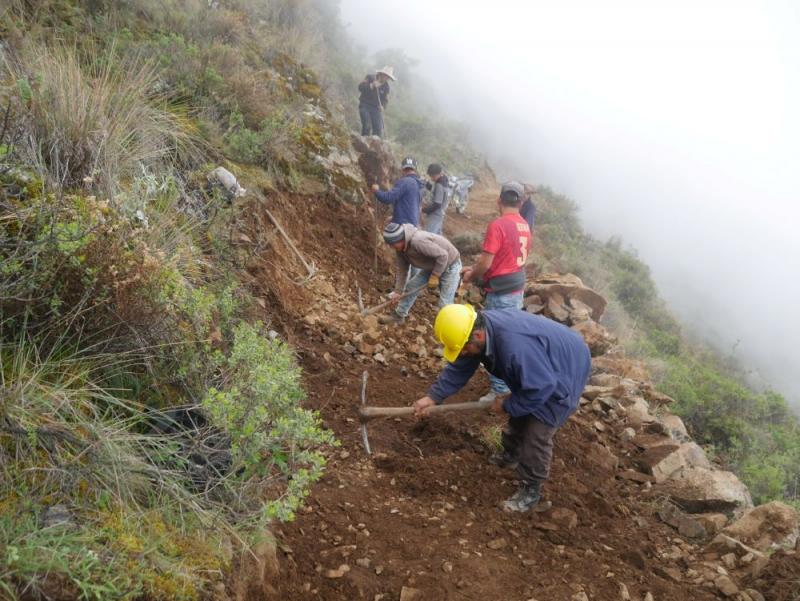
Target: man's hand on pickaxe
[(422, 405)]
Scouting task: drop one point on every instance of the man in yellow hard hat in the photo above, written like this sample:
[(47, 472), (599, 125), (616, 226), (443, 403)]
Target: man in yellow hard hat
[(545, 365)]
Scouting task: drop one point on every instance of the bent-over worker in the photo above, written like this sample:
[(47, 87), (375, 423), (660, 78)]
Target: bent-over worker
[(437, 262), (546, 366)]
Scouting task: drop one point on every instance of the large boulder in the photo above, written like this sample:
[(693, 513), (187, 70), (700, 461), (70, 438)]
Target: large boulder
[(637, 411), (619, 365), (376, 159), (766, 527), (597, 338), (343, 174), (564, 289), (663, 459), (674, 426), (700, 489)]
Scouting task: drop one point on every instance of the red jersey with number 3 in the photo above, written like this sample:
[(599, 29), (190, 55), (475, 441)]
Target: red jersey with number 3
[(509, 239)]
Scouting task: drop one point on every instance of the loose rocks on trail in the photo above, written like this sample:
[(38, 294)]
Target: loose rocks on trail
[(420, 518)]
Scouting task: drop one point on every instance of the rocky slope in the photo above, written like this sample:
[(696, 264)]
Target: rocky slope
[(639, 511)]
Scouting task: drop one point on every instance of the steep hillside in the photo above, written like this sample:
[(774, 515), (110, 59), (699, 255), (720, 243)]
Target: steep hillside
[(185, 233), (420, 519)]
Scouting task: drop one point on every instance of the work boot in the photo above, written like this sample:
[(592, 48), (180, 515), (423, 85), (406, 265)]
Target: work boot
[(504, 460), (392, 319), (527, 496)]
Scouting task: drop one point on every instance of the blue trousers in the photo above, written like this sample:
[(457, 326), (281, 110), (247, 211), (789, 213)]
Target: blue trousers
[(502, 301), (371, 120), (448, 285)]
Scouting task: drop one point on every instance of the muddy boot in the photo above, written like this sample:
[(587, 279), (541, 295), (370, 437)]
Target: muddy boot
[(392, 319), (525, 498), (504, 460)]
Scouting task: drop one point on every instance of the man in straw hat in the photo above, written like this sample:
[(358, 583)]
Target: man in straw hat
[(374, 98)]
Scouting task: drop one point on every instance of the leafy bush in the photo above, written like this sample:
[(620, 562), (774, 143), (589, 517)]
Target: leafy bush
[(82, 285)]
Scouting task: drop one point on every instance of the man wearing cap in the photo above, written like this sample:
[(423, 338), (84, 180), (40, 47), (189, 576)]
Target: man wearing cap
[(436, 259), (405, 196), (435, 209), (373, 100), (500, 269), (546, 366)]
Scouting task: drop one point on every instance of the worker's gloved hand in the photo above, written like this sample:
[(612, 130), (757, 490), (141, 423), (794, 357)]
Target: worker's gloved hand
[(375, 187), (394, 297), (433, 282), (422, 405)]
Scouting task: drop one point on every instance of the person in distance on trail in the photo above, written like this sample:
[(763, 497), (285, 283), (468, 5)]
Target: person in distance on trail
[(500, 269), (546, 366), (528, 209), (436, 208), (438, 265), (405, 196), (373, 100)]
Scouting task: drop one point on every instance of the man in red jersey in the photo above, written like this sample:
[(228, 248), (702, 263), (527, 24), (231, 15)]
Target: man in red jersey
[(500, 269)]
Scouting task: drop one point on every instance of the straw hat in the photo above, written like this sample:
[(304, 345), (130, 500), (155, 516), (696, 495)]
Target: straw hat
[(388, 72)]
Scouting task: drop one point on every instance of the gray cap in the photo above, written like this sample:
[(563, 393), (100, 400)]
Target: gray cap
[(513, 186), (393, 232)]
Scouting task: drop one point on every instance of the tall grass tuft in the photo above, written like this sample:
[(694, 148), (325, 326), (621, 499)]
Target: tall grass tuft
[(93, 119)]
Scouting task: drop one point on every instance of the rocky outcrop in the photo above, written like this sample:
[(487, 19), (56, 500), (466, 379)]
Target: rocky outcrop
[(596, 336), (766, 527), (563, 297), (702, 489), (376, 159)]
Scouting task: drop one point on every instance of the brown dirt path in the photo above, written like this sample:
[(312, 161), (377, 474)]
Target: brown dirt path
[(422, 512)]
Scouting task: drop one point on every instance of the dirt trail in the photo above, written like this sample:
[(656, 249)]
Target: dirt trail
[(422, 513)]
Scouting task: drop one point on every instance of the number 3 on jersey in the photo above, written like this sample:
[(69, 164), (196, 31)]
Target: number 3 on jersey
[(523, 248)]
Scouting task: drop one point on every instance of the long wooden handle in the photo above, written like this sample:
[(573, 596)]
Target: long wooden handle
[(368, 413), (377, 308)]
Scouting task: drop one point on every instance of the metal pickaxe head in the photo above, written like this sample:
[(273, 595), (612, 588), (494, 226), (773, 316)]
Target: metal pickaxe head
[(362, 421)]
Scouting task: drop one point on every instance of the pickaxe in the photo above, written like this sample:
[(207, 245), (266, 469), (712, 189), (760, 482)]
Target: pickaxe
[(367, 413), (376, 308)]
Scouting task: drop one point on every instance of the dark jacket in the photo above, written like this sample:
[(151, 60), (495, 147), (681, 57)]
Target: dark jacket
[(544, 363), (369, 95), (405, 196), (528, 212), (425, 251), (440, 198)]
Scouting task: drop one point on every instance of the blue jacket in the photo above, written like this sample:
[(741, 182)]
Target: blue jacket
[(405, 196), (544, 363)]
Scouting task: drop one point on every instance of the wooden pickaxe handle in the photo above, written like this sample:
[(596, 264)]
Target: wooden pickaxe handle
[(366, 414), (377, 308)]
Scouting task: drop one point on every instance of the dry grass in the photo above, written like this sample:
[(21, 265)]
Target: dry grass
[(97, 118)]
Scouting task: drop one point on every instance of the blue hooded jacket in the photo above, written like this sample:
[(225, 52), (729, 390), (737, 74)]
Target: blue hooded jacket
[(544, 363), (405, 196)]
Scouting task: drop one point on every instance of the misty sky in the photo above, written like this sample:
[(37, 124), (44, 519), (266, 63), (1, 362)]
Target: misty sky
[(675, 125)]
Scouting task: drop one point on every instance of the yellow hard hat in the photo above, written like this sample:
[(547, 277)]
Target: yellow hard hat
[(452, 327)]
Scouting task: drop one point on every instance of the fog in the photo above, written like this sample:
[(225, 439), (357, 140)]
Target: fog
[(674, 125)]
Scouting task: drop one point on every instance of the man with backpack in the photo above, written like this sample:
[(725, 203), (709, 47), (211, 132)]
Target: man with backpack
[(435, 209)]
